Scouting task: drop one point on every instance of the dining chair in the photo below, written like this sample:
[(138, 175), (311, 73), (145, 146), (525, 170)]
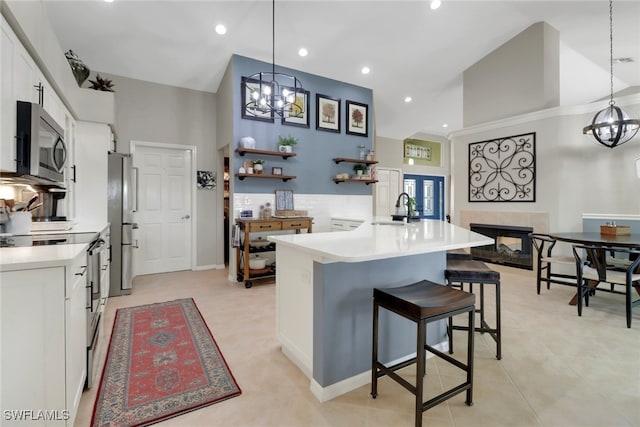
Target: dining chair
[(544, 244), (591, 265)]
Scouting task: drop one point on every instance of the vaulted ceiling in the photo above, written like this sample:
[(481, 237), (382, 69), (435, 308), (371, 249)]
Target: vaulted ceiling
[(410, 49)]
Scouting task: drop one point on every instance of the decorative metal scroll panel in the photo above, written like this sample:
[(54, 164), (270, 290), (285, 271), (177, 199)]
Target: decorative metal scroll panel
[(503, 169)]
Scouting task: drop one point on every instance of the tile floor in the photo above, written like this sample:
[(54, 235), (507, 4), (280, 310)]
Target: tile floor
[(557, 369)]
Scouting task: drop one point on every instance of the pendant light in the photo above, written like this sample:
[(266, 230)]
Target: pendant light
[(273, 92), (612, 126)]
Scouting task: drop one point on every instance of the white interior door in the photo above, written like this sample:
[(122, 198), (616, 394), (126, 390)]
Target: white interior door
[(163, 213), (388, 187)]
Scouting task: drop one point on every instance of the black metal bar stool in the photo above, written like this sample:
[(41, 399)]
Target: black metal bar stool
[(423, 302), (461, 271)]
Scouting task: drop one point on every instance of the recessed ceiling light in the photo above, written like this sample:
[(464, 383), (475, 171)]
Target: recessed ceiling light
[(435, 4), (445, 125), (408, 99), (221, 29), (108, 1), (303, 52), (365, 70)]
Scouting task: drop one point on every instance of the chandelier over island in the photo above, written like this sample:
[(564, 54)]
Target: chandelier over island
[(272, 92)]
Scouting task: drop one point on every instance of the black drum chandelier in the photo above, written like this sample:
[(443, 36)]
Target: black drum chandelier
[(272, 92)]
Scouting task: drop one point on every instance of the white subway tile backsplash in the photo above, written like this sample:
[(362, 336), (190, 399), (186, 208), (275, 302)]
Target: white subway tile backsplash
[(322, 207)]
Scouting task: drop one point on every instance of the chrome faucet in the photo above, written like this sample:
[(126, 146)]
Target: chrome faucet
[(408, 212)]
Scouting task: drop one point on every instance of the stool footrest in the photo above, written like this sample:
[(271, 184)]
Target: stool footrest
[(390, 372), (447, 358), (446, 395)]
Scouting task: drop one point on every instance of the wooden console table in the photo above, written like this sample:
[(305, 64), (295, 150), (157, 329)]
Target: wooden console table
[(243, 252)]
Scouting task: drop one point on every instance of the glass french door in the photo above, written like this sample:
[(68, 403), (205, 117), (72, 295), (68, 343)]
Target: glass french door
[(428, 191)]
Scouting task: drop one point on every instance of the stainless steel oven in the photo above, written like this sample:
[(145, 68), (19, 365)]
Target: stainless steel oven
[(97, 261)]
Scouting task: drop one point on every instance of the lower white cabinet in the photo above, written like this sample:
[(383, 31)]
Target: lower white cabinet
[(43, 344), (339, 224)]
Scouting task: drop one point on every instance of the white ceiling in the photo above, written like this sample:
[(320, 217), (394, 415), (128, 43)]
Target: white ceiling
[(411, 49)]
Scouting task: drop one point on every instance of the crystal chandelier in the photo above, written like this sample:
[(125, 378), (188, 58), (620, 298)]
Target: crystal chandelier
[(612, 126), (272, 92)]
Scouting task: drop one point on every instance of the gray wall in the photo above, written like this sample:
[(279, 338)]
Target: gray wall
[(521, 76), (574, 174), (158, 113)]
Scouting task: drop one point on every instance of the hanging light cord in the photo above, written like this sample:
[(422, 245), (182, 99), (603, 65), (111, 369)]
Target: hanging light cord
[(273, 39), (611, 101)]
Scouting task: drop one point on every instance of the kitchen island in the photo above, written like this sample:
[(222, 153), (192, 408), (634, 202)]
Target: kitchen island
[(324, 296)]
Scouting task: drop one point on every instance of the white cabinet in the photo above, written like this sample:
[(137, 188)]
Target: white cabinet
[(91, 160), (341, 224), (20, 78), (75, 331), (43, 341), (17, 75)]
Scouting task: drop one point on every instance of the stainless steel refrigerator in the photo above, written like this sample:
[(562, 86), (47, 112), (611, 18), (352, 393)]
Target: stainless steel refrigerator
[(121, 198)]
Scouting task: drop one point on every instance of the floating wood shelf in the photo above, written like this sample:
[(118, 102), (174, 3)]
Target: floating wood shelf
[(366, 181), (345, 159), (282, 154), (284, 178)]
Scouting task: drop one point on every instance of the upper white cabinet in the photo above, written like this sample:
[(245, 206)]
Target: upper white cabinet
[(17, 75), (21, 80), (90, 151)]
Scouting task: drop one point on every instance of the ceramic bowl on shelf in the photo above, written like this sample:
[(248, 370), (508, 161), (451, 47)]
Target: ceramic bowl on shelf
[(247, 142), (257, 263)]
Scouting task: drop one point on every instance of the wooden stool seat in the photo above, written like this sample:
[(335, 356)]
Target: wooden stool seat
[(461, 271), (423, 302)]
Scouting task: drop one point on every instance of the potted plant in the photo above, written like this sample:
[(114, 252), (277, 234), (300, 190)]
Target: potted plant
[(285, 144), (359, 169), (258, 166)]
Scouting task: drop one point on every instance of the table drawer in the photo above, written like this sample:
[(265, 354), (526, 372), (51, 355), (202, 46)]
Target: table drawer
[(265, 226), (295, 223)]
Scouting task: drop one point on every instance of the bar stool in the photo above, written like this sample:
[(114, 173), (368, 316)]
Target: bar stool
[(459, 272), (423, 302)]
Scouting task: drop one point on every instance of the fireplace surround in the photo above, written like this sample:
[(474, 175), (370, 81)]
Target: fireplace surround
[(512, 245)]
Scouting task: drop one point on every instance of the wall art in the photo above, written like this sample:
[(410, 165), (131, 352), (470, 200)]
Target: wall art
[(250, 107), (419, 152), (503, 169), (328, 113), (357, 118), (299, 111), (206, 180)]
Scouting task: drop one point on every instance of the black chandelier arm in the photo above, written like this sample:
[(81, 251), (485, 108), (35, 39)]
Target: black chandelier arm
[(611, 127)]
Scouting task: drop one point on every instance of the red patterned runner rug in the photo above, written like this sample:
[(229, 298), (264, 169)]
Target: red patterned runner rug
[(162, 362)]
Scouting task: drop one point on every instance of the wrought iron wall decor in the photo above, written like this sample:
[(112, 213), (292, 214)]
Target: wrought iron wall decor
[(503, 169)]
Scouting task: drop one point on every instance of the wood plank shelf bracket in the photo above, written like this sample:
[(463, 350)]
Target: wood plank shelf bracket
[(284, 155)]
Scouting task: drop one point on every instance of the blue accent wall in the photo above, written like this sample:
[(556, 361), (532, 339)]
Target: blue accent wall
[(312, 164), (343, 314)]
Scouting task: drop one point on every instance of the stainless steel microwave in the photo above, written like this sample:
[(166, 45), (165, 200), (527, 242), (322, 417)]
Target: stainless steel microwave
[(40, 148)]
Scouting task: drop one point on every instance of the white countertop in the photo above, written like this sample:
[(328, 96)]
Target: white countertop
[(381, 238), (27, 257)]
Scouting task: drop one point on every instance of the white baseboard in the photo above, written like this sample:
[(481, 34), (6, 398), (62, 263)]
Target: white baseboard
[(324, 394), (210, 267)]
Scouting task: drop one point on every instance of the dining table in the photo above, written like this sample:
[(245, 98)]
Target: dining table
[(631, 241)]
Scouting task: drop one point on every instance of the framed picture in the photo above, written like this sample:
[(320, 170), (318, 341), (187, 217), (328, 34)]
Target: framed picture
[(206, 180), (276, 171), (356, 118), (328, 113), (299, 112), (250, 107), (284, 200)]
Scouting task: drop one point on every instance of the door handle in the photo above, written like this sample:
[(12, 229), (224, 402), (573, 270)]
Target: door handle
[(186, 216)]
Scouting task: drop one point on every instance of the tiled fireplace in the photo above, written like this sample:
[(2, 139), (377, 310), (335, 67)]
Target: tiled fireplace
[(512, 245), (517, 221)]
